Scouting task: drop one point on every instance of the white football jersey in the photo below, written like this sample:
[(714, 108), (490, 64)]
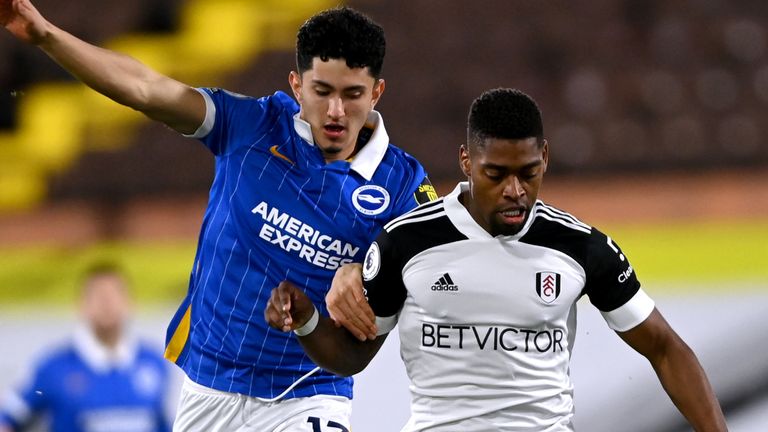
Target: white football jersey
[(487, 323)]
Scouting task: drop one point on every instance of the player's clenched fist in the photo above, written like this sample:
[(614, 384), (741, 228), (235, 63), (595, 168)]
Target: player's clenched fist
[(288, 307), (24, 21)]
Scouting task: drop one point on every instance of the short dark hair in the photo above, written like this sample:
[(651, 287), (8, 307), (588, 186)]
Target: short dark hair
[(506, 114), (341, 33), (102, 268)]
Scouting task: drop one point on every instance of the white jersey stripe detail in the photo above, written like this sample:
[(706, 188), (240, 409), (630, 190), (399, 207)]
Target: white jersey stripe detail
[(563, 222), (562, 215), (424, 208), (564, 219), (240, 177), (215, 307), (229, 318), (556, 212), (409, 220), (248, 326)]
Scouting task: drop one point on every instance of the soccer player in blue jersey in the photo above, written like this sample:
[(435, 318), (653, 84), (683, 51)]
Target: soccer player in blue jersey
[(302, 186), (103, 379)]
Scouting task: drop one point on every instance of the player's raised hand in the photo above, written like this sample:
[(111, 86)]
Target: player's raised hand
[(288, 307), (347, 305), (24, 21)]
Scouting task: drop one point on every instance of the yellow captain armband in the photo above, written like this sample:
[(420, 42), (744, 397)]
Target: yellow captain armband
[(425, 193)]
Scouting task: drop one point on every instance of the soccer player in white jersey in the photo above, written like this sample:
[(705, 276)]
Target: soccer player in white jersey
[(302, 186), (483, 284)]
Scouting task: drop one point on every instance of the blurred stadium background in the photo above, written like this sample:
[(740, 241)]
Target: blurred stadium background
[(655, 111)]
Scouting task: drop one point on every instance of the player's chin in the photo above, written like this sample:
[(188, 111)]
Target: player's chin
[(331, 148), (501, 227)]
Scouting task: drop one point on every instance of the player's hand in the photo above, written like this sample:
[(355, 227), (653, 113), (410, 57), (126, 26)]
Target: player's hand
[(288, 307), (24, 21), (347, 304)]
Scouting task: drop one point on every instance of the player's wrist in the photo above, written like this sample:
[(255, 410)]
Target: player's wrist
[(310, 325)]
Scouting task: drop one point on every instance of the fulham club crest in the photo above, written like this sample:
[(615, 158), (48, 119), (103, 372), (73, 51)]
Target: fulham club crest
[(548, 286)]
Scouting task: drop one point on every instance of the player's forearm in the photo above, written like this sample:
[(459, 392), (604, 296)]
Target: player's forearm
[(336, 350), (125, 80), (687, 385), (117, 76)]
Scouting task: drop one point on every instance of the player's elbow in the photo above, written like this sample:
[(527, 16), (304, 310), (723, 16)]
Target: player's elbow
[(346, 370), (344, 366)]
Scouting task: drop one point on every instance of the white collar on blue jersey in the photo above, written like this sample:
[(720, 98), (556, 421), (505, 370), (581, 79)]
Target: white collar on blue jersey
[(101, 358), (369, 157), (460, 217)]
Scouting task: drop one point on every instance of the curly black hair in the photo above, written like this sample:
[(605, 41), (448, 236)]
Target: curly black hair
[(504, 113), (341, 33)]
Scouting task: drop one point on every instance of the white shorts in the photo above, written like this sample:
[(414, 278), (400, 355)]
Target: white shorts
[(202, 409)]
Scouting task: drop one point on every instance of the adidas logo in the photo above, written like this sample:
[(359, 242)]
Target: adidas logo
[(445, 283)]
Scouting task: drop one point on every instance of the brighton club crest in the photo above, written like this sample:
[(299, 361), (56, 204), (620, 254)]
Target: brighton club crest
[(548, 286)]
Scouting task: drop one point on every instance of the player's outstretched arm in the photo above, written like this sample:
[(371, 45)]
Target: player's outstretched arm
[(333, 348), (119, 77), (347, 305), (679, 371)]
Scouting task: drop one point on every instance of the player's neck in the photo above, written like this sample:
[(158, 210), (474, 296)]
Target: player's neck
[(110, 338)]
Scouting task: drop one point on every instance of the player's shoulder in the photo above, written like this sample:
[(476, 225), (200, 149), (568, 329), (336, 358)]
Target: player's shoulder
[(552, 221), (427, 215), (422, 229), (57, 355), (282, 99), (399, 153), (401, 164), (278, 100), (559, 230)]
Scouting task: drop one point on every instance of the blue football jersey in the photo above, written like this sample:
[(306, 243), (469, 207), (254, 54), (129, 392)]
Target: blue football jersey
[(79, 390), (277, 211)]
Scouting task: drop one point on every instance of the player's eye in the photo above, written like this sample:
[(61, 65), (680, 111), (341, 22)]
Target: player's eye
[(355, 94), (529, 175), (494, 175)]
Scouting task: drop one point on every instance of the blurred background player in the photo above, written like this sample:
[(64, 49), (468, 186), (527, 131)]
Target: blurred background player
[(103, 379), (300, 189), (483, 285)]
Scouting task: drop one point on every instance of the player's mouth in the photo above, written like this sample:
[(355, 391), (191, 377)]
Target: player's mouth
[(513, 216), (333, 131)]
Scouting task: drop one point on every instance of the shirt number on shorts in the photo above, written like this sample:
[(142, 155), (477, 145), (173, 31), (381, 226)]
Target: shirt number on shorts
[(316, 427)]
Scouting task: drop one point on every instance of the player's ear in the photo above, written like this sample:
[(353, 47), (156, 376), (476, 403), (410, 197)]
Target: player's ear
[(294, 80), (378, 90), (464, 162), (545, 155)]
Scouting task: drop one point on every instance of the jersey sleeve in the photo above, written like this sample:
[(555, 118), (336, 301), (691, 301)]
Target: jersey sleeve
[(383, 283), (21, 406), (612, 285), (229, 115)]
